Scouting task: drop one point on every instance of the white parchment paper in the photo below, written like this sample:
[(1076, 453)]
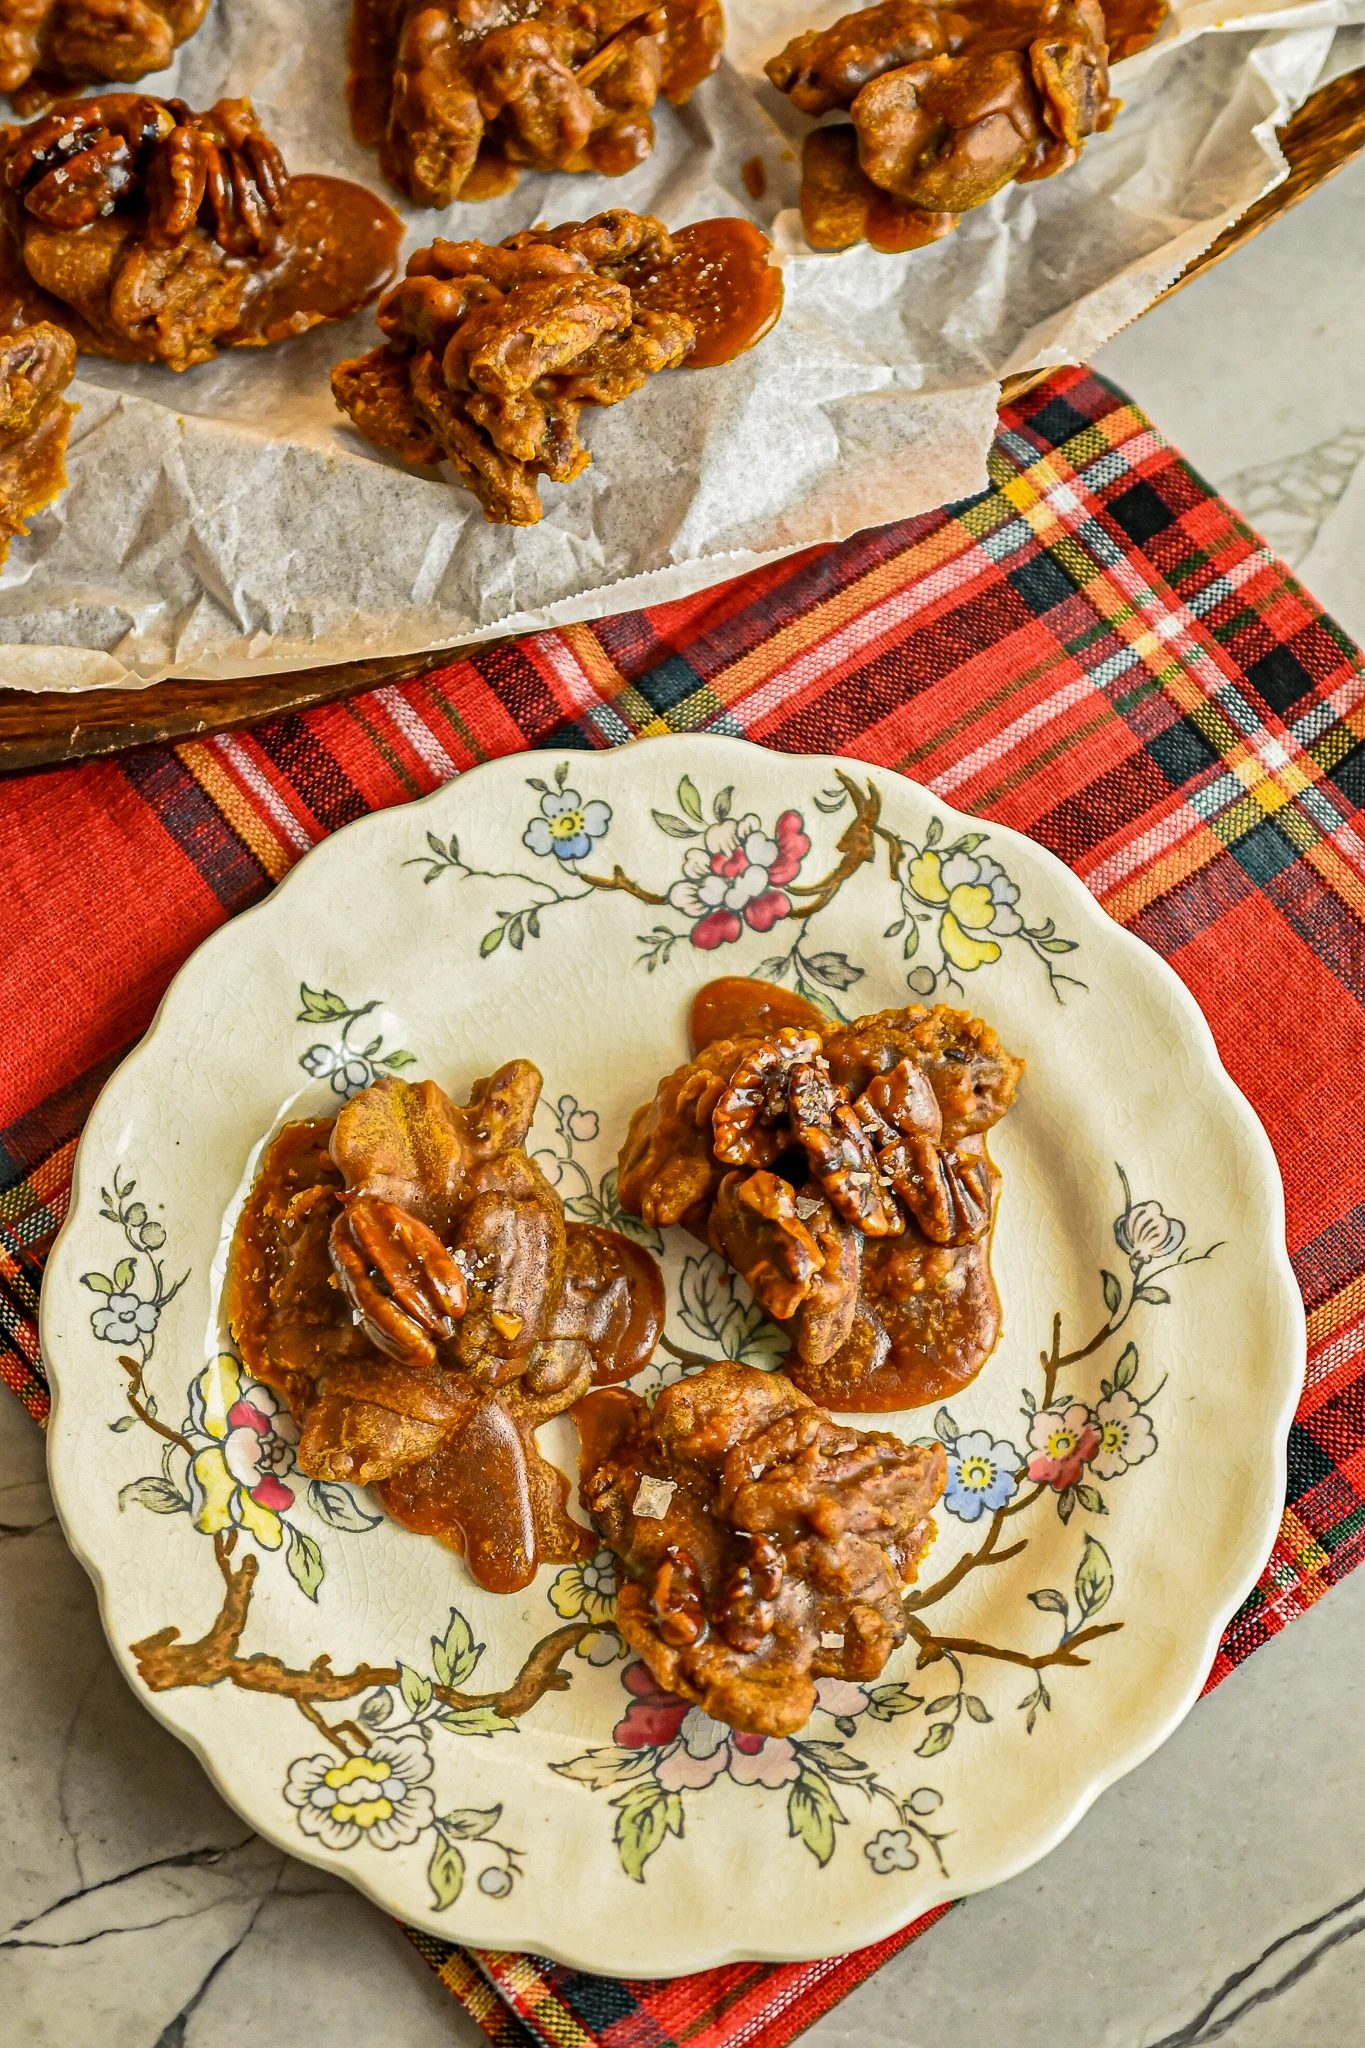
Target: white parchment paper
[(230, 521)]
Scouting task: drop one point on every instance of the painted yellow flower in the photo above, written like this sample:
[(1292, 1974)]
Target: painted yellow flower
[(588, 1592), (235, 1480), (379, 1797), (977, 899)]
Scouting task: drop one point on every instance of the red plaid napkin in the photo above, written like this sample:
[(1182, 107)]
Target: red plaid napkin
[(1095, 651)]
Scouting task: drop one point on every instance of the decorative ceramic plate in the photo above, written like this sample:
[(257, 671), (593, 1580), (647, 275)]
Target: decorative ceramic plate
[(1115, 1473)]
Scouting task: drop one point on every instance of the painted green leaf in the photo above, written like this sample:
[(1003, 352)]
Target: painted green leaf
[(835, 970), (1059, 945), (321, 1005), (602, 1767), (1113, 1293), (945, 1429), (975, 1707), (475, 1721), (1066, 1503), (645, 1814), (455, 1655), (705, 1296), (934, 834), (490, 942), (98, 1283), (1051, 1601), (338, 1507), (1154, 1295), (398, 1059), (157, 1494), (835, 1762), (123, 1274), (416, 1689), (724, 801), (445, 1872), (1125, 1372), (942, 1703), (304, 1559), (124, 1422), (377, 1708), (911, 946), (937, 1740), (1094, 1578), (1090, 1497), (885, 1702), (676, 828), (813, 1813), (471, 1823), (689, 799)]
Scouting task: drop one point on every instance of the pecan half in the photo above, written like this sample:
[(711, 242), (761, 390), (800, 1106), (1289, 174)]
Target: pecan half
[(947, 1192), (404, 1286), (751, 1124), (840, 1152), (746, 1612), (756, 1226), (676, 1599)]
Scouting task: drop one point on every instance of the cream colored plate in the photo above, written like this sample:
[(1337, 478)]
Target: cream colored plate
[(566, 907)]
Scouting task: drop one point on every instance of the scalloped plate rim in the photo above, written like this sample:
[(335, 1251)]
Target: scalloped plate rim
[(1253, 1553)]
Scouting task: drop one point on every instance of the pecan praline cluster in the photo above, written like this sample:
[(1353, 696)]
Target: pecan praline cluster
[(785, 1549), (461, 96), (156, 233), (74, 41), (947, 104), (842, 1171)]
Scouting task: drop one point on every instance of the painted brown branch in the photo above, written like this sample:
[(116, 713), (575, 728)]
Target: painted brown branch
[(970, 1561), (1052, 1362), (933, 1647), (165, 1663), (619, 879), (133, 1368), (857, 845)]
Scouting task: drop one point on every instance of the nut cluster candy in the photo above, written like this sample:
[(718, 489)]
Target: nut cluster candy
[(785, 1549), (36, 365), (461, 97), (405, 1276), (157, 234), (80, 40), (493, 350), (947, 104), (841, 1169)]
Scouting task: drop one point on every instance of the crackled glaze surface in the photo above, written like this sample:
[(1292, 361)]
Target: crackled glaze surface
[(1117, 1465)]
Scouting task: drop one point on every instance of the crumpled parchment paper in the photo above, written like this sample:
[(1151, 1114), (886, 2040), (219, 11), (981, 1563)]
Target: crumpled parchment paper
[(229, 521)]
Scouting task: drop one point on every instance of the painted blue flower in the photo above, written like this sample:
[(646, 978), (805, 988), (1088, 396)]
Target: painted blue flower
[(566, 826), (124, 1319), (981, 1475)]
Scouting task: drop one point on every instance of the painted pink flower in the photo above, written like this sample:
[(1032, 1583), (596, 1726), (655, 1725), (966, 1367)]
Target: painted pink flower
[(254, 1453), (1062, 1441), (763, 1760), (653, 1716), (733, 878)]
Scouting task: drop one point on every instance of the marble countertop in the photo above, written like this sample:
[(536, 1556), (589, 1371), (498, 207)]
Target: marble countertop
[(1216, 1894)]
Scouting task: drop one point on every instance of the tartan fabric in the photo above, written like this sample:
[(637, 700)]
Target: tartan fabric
[(1095, 650)]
